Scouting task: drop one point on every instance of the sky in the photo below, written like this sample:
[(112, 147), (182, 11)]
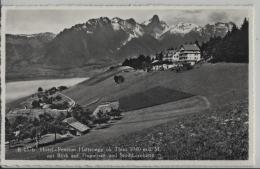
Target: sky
[(21, 21)]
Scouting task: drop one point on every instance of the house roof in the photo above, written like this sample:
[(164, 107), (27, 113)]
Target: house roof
[(79, 126), (76, 124), (69, 120), (190, 47), (155, 61)]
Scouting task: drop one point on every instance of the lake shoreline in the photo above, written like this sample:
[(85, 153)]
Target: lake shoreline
[(20, 89), (42, 78)]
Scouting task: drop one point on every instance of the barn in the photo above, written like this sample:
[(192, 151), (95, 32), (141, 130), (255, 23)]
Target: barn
[(75, 127)]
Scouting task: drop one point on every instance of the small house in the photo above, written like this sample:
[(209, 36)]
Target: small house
[(75, 127), (172, 55), (162, 65), (106, 107)]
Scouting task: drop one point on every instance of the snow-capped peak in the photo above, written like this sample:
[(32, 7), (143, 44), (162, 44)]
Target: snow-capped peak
[(116, 20), (155, 26), (145, 23), (154, 19), (128, 26), (183, 28)]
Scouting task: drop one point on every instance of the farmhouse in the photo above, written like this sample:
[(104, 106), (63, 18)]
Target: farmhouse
[(75, 127), (189, 53), (106, 107), (171, 55)]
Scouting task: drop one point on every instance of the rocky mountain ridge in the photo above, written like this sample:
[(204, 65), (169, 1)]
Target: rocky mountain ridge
[(104, 41)]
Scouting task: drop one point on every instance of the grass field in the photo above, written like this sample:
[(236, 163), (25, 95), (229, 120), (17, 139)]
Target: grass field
[(151, 97), (220, 134), (220, 83), (212, 124)]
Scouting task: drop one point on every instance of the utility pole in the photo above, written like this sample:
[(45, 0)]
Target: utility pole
[(55, 134)]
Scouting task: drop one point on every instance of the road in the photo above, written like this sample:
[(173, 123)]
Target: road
[(73, 102)]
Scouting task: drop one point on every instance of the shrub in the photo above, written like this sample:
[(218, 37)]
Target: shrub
[(35, 104), (119, 79), (101, 118), (187, 66), (61, 88), (40, 89), (58, 97)]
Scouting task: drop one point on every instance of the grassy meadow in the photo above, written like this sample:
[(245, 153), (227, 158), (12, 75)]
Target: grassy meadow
[(212, 124)]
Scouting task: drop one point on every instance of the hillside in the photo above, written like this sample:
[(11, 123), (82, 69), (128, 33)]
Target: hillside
[(214, 81), (221, 98), (26, 49)]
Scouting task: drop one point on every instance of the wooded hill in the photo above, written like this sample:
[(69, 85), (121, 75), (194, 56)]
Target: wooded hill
[(233, 47)]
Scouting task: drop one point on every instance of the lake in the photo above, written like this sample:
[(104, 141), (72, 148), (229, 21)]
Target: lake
[(19, 89)]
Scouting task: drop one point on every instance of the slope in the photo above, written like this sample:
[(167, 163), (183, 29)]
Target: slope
[(220, 84), (213, 81)]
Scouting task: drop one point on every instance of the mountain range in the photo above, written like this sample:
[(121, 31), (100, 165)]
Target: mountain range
[(103, 41)]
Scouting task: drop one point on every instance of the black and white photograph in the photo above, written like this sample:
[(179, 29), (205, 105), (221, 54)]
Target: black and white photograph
[(127, 83)]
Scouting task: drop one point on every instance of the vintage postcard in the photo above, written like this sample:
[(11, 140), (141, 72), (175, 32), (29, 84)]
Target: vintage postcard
[(127, 86)]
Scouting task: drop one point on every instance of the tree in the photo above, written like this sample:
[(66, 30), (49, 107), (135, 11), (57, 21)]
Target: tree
[(52, 90), (159, 56), (60, 118), (61, 88), (35, 104), (20, 120), (40, 89), (45, 121), (80, 114), (114, 113), (8, 131), (24, 134), (58, 97), (101, 118), (231, 48), (197, 43), (35, 122), (244, 46), (119, 79), (126, 63), (33, 132), (141, 62)]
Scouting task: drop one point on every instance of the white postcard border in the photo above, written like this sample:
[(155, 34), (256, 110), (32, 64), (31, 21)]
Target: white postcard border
[(131, 163)]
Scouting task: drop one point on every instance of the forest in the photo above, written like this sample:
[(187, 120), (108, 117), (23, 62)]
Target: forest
[(233, 47)]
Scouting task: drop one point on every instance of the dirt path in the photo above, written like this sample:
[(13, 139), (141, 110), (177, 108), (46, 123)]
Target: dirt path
[(132, 121), (73, 102)]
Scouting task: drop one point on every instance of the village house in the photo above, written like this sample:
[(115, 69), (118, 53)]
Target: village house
[(75, 127), (106, 107), (189, 53), (153, 56), (164, 65), (171, 55)]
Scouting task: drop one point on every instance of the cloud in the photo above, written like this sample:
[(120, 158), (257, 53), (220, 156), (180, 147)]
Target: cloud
[(218, 16), (193, 11)]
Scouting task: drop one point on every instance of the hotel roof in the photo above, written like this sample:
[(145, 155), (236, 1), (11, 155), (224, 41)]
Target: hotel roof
[(190, 47)]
